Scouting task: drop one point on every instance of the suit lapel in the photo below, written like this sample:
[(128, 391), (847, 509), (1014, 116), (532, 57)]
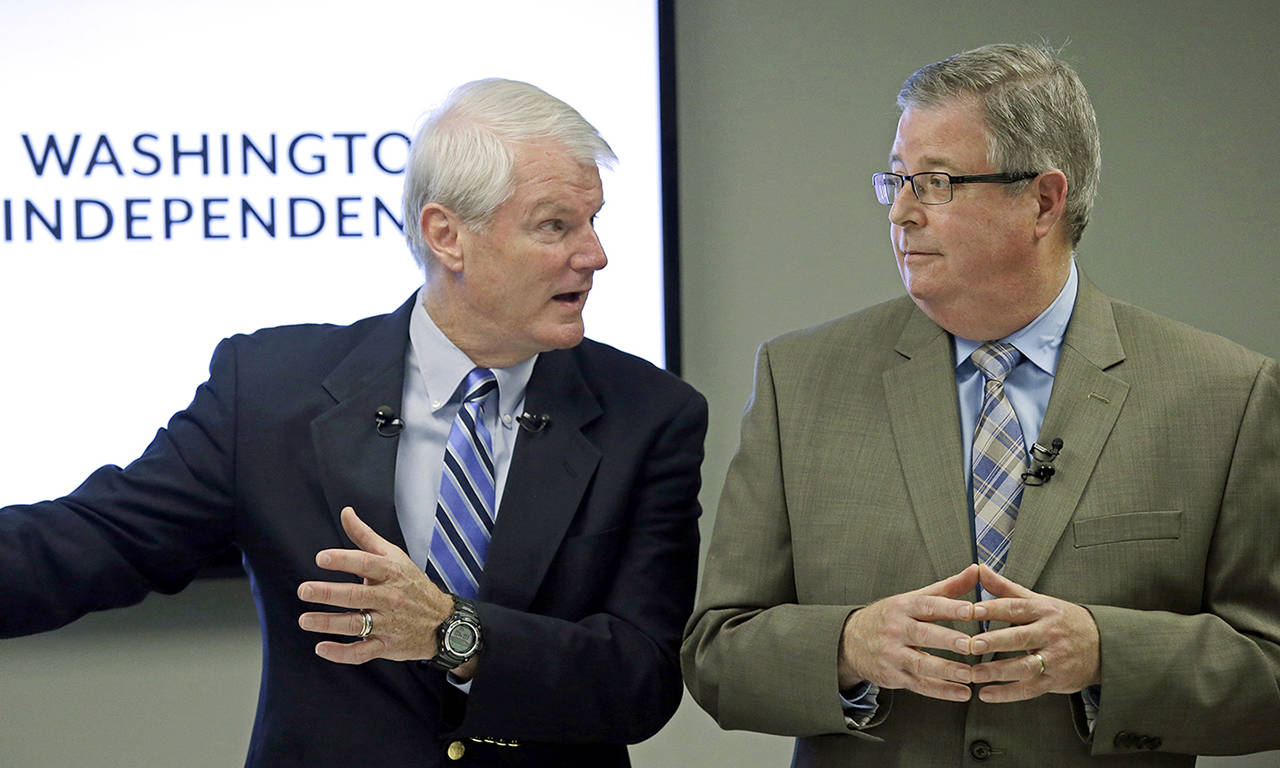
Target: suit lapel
[(1083, 408), (550, 471), (357, 465), (921, 396)]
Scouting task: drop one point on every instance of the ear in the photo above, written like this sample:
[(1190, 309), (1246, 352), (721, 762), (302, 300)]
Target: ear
[(442, 228), (1050, 189)]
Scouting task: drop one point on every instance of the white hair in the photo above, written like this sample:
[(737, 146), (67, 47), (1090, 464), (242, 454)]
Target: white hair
[(463, 157)]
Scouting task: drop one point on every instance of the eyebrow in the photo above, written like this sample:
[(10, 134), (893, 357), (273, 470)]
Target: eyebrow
[(547, 205), (555, 207), (929, 161)]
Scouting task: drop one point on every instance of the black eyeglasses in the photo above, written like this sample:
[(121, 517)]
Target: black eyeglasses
[(935, 187)]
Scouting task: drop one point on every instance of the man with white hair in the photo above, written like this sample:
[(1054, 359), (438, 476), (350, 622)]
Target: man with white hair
[(488, 522)]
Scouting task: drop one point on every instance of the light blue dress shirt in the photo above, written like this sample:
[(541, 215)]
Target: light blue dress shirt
[(1027, 386)]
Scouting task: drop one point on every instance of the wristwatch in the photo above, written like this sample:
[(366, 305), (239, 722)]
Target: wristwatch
[(459, 636)]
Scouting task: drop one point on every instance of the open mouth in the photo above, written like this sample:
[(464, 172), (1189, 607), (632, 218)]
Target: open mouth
[(570, 298)]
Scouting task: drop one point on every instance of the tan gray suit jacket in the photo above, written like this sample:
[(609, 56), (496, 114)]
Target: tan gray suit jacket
[(1163, 519)]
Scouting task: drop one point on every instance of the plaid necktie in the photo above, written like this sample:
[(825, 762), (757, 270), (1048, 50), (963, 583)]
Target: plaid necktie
[(999, 458), (464, 511)]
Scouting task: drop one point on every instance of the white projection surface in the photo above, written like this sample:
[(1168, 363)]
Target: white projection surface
[(172, 173)]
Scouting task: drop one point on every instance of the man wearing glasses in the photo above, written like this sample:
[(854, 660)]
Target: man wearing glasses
[(1007, 517)]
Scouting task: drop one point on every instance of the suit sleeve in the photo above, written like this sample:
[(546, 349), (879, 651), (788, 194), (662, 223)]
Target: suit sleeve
[(611, 676), (1209, 683), (126, 532), (752, 657)]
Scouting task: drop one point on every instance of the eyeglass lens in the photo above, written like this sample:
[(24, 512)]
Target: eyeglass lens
[(930, 188)]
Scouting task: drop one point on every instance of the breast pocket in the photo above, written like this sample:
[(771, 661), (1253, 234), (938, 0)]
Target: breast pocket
[(1130, 526)]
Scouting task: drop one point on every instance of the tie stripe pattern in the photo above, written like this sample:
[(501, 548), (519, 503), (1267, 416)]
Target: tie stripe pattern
[(465, 507), (999, 458)]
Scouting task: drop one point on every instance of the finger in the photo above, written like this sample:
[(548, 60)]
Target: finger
[(923, 633), (926, 674), (941, 689), (1029, 675), (1000, 586), (354, 561), (939, 679), (924, 666), (957, 585), (332, 623), (1015, 638), (934, 608), (1008, 692), (1015, 669), (364, 537), (341, 595), (359, 652), (1014, 610)]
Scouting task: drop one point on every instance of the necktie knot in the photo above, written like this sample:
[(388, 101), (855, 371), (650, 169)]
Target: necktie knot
[(995, 359), (479, 383)]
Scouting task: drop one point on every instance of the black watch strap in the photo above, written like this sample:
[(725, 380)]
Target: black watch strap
[(459, 636)]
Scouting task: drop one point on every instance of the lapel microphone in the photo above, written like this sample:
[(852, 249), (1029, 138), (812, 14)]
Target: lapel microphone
[(533, 423), (1042, 469), (387, 422)]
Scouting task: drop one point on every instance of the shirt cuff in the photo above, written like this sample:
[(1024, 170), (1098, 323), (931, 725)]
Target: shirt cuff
[(1092, 698), (859, 704), (459, 683)]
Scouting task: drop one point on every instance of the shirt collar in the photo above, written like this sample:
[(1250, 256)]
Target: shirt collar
[(1039, 341), (443, 366)]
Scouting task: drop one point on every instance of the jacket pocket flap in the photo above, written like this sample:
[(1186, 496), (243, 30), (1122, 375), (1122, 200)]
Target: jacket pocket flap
[(1130, 526)]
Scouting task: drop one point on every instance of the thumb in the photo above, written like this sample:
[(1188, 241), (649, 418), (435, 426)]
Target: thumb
[(1000, 586), (364, 537), (958, 585)]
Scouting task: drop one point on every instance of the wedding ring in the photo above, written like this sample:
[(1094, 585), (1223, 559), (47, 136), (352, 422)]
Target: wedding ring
[(367, 627), (1041, 658)]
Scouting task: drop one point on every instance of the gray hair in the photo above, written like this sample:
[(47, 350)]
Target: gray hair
[(463, 157), (1038, 115)]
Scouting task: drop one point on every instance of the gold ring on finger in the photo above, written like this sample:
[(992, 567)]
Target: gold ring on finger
[(1042, 665), (366, 627)]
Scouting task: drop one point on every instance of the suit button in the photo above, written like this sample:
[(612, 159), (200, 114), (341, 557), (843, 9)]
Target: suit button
[(980, 750), (1150, 742), (1123, 740), (456, 750)]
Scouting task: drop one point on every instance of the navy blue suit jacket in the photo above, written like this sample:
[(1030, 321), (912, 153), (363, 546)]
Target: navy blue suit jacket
[(589, 578)]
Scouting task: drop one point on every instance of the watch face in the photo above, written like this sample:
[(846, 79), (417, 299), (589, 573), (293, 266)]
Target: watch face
[(460, 638)]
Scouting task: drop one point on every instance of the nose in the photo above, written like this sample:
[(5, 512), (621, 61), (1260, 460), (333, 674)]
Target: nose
[(906, 208), (590, 254)]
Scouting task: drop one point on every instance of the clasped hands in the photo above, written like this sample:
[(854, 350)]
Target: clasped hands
[(405, 607), (883, 642)]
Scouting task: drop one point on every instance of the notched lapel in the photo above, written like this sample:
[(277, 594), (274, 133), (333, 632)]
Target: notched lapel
[(550, 472), (1083, 408), (357, 465), (921, 396)]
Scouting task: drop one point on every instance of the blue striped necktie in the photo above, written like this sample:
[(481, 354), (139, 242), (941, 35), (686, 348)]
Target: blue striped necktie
[(465, 507), (999, 458)]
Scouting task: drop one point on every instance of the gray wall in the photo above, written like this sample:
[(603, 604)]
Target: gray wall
[(785, 110)]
